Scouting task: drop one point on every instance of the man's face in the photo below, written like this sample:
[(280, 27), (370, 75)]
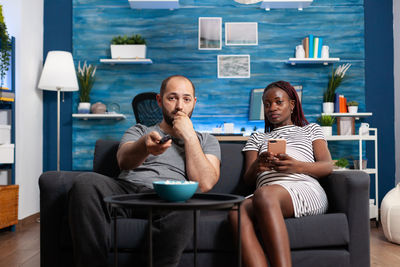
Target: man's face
[(178, 96)]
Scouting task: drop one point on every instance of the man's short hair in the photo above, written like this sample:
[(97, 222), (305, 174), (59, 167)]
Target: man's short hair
[(165, 83)]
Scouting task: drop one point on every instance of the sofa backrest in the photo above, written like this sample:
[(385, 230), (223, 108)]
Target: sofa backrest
[(232, 160)]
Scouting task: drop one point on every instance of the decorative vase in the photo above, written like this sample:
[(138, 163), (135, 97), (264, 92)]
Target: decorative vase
[(300, 53), (98, 108), (325, 51), (84, 108), (327, 130), (128, 51), (352, 109), (390, 215), (328, 107)]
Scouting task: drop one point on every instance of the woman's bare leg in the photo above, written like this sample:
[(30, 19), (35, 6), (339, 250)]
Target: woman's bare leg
[(271, 204), (252, 252)]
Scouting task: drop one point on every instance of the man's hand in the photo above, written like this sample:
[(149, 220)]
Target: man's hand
[(183, 126), (153, 146)]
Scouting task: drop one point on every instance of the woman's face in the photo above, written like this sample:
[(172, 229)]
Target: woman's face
[(278, 107)]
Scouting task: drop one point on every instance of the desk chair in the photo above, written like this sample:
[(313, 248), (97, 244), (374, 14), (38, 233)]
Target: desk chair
[(146, 109)]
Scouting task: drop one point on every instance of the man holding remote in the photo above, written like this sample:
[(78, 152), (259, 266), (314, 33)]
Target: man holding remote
[(170, 150)]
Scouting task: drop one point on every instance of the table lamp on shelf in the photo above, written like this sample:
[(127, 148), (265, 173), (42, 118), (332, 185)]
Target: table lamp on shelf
[(59, 75)]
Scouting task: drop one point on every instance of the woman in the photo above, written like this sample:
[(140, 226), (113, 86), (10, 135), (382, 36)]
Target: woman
[(286, 184)]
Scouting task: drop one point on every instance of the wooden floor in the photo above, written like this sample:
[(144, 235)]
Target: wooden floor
[(22, 247)]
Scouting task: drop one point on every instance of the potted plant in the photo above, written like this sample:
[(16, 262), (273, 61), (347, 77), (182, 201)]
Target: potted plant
[(5, 48), (86, 78), (243, 130), (334, 81), (326, 122), (342, 163), (133, 46), (352, 106)]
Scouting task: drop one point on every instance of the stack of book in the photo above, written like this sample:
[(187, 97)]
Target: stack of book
[(340, 104), (6, 95), (312, 46)]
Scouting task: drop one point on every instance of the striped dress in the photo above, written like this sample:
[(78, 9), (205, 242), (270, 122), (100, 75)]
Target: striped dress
[(307, 195)]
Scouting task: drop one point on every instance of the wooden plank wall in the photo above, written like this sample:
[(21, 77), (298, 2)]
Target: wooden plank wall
[(172, 38)]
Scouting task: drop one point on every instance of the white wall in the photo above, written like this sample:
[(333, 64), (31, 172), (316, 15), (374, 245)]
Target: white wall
[(24, 20), (396, 37)]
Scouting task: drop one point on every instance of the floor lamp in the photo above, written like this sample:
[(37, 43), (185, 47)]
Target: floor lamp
[(58, 74)]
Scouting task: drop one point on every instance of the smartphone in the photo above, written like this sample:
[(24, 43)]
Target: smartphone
[(277, 146), (165, 139)]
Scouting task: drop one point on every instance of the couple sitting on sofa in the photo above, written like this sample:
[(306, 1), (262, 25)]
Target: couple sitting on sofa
[(286, 184)]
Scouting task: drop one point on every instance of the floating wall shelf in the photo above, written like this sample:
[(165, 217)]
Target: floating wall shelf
[(361, 114), (299, 4), (114, 116), (324, 61), (126, 61), (154, 4)]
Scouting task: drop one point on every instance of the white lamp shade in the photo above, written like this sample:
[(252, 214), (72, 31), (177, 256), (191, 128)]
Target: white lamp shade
[(59, 72)]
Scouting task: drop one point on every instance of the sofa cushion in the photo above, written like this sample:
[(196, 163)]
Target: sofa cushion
[(215, 232), (326, 230)]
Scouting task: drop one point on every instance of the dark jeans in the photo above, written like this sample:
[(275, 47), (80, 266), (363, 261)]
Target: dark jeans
[(90, 223)]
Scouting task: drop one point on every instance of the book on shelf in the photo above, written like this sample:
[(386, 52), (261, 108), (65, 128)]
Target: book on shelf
[(320, 39), (7, 96), (306, 44), (337, 103), (315, 48), (312, 46), (342, 104)]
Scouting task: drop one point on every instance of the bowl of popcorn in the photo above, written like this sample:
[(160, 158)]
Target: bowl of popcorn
[(175, 191)]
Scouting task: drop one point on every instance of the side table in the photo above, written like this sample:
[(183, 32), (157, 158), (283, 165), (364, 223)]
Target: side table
[(151, 202)]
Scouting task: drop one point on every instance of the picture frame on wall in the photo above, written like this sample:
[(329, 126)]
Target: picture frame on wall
[(233, 66), (256, 109), (241, 33), (210, 33)]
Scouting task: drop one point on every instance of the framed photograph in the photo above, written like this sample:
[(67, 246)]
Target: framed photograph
[(345, 125), (256, 110), (241, 33), (233, 66), (210, 33)]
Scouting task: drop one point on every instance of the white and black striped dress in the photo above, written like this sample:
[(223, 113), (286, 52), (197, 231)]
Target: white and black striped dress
[(308, 196)]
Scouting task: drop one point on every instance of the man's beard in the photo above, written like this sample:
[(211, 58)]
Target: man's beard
[(169, 119)]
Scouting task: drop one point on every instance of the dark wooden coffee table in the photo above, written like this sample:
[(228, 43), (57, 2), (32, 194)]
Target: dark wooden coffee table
[(151, 202)]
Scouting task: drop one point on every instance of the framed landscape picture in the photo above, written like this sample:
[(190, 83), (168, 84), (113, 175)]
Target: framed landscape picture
[(241, 33), (210, 33), (233, 66)]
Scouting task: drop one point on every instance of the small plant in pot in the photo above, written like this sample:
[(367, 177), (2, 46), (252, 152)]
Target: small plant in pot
[(334, 81), (342, 163), (326, 122), (128, 47), (86, 78), (352, 106), (5, 48)]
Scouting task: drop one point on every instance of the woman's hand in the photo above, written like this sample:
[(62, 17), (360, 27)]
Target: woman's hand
[(264, 162), (285, 163)]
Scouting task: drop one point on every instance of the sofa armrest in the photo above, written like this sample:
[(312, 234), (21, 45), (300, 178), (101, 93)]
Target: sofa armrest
[(348, 192), (54, 187)]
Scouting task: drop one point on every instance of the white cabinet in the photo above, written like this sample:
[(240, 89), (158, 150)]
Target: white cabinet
[(373, 172)]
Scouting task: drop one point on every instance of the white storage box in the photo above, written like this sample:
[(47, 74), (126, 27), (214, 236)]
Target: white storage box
[(5, 134), (7, 153)]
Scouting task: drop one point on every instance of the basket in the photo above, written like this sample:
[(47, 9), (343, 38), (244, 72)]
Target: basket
[(8, 205)]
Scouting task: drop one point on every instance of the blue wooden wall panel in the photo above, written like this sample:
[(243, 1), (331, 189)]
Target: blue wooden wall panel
[(172, 38)]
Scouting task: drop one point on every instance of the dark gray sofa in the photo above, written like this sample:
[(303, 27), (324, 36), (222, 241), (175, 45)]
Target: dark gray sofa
[(338, 238)]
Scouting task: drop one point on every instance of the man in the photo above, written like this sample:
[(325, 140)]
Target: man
[(189, 155)]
